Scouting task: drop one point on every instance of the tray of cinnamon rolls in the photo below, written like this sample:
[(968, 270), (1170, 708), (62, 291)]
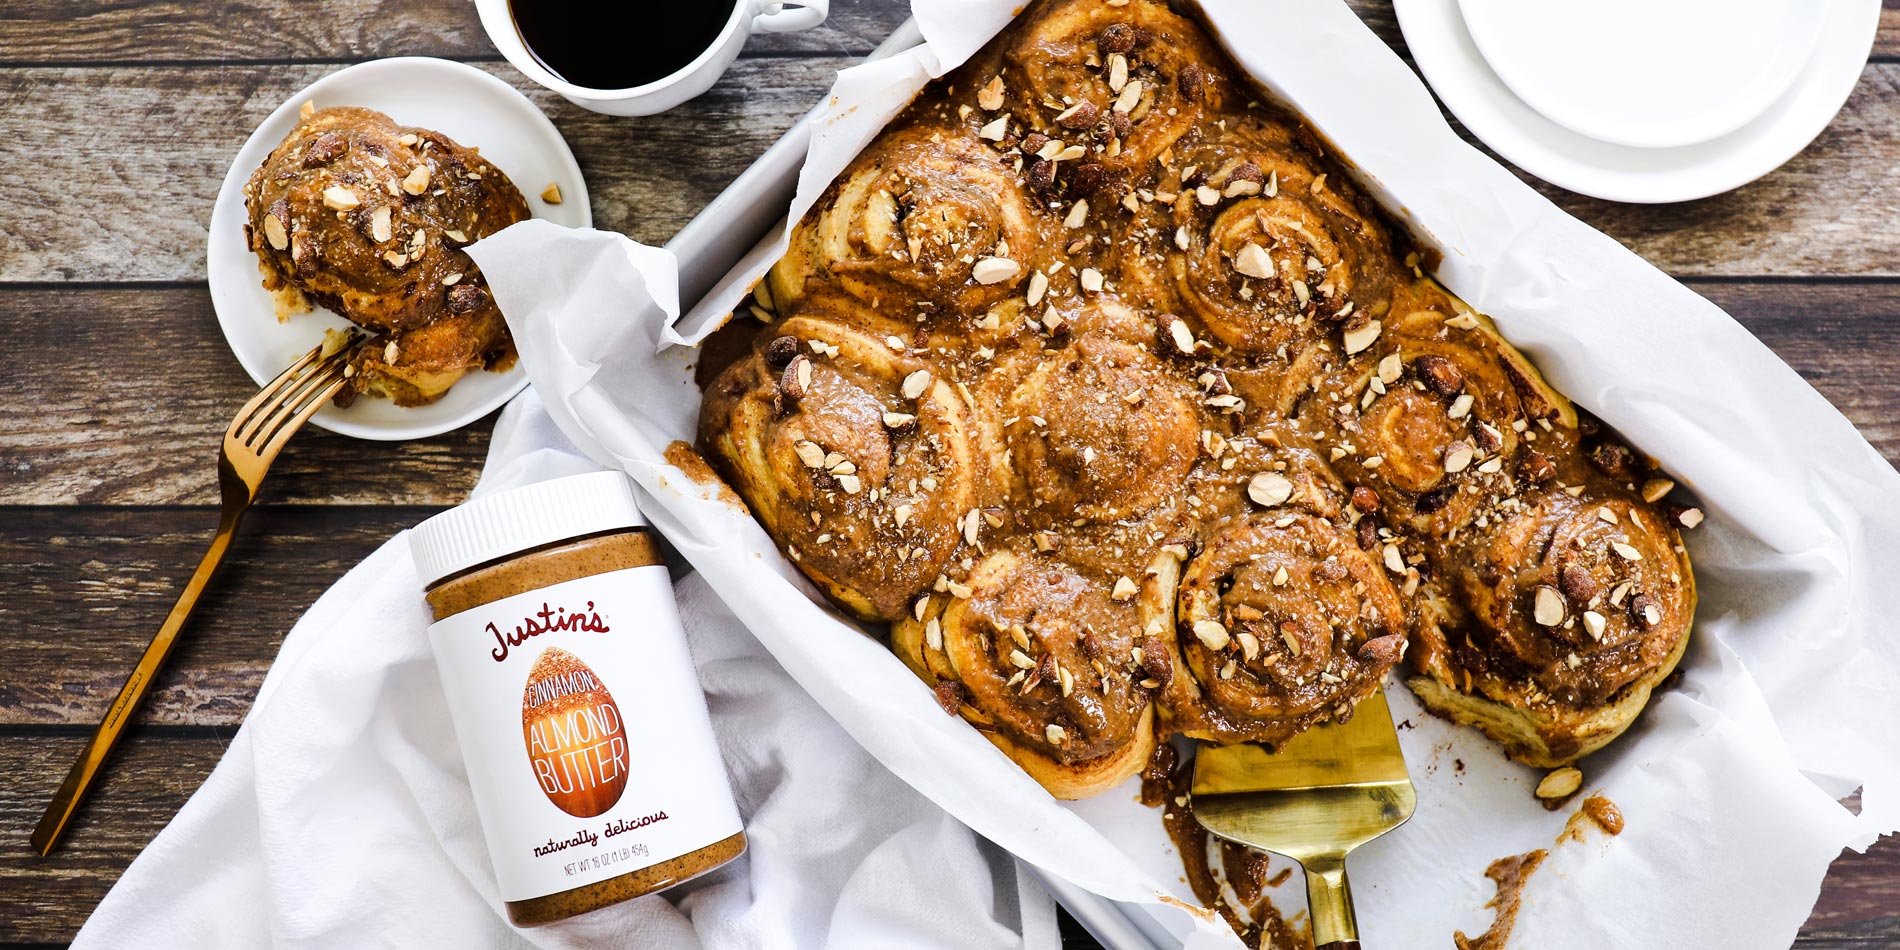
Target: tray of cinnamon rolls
[(1099, 383)]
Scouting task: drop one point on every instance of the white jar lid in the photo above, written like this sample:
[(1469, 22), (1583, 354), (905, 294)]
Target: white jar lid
[(495, 526)]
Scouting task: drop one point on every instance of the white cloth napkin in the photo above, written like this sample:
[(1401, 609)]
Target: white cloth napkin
[(340, 815)]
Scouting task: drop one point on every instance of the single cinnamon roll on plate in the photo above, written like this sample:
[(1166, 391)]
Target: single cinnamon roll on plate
[(1043, 659), (369, 218), (1576, 608)]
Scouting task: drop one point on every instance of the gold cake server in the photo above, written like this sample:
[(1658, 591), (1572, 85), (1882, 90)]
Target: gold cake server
[(1324, 793)]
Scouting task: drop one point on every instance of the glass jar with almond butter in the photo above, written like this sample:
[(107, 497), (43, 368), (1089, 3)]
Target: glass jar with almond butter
[(589, 751)]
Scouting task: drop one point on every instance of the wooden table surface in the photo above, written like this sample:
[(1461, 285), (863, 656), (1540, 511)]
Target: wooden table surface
[(117, 123)]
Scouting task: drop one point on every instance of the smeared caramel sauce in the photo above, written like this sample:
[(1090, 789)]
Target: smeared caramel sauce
[(1605, 813), (1510, 875), (1250, 910), (1595, 810), (683, 457)]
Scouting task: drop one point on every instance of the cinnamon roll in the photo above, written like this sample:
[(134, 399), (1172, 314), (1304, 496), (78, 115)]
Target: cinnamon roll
[(1097, 432), (1434, 415), (1259, 248), (858, 459), (1280, 620), (1044, 660), (1112, 86), (368, 218), (940, 222), (1577, 606)]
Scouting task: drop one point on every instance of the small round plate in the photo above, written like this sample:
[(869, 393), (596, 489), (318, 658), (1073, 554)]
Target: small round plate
[(1450, 61), (1646, 73), (462, 102)]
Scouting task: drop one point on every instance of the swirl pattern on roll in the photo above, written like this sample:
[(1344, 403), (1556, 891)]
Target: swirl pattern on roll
[(1434, 415), (1123, 82), (1146, 420), (841, 446), (1280, 621), (1098, 431), (1261, 250), (919, 222), (1573, 599), (1040, 657)]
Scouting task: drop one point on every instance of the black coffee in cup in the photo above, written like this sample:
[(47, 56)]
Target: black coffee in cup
[(603, 44)]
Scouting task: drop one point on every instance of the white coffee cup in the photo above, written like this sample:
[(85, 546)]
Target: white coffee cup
[(748, 17)]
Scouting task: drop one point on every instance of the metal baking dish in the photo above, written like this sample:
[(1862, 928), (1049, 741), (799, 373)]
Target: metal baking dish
[(712, 245)]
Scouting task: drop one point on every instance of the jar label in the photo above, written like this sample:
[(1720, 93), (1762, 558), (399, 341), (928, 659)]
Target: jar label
[(583, 730)]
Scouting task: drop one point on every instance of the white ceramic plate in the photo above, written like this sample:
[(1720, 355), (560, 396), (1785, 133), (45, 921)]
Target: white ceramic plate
[(1449, 58), (1646, 73), (462, 102)]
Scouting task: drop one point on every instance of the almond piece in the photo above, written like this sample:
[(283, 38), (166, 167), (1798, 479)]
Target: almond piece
[(1560, 783), (1130, 95), (274, 232), (1360, 338), (994, 270), (990, 97), (1253, 261), (1547, 606), (809, 452), (915, 384), (1211, 634), (1269, 489), (1038, 285), (1458, 456)]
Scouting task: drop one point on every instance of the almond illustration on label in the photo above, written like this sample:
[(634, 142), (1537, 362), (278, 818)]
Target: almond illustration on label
[(577, 741)]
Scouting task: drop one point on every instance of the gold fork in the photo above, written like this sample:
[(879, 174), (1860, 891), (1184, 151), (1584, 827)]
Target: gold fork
[(251, 444)]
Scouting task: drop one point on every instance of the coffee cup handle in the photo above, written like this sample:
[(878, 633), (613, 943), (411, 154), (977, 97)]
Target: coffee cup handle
[(778, 17)]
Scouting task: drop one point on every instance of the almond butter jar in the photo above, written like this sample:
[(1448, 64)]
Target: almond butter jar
[(575, 703)]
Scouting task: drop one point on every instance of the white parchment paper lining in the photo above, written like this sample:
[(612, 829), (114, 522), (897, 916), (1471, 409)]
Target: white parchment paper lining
[(1791, 693)]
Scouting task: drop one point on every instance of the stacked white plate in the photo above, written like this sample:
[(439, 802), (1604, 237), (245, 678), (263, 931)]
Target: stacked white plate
[(1642, 100)]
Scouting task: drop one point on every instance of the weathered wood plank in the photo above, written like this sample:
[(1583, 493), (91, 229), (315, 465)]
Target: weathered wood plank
[(147, 436), (85, 588), (102, 31), (45, 900), (128, 200), (170, 31), (129, 391), (1843, 338), (1860, 900)]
